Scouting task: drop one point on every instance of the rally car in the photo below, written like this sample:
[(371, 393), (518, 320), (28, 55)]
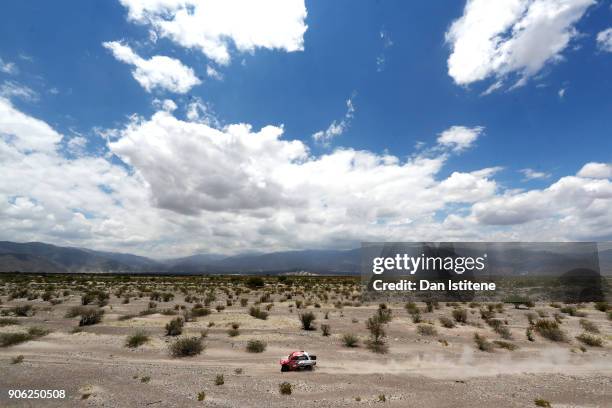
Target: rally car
[(298, 360)]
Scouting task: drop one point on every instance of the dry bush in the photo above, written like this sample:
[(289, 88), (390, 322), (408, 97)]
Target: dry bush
[(91, 316), (186, 347), (174, 327), (426, 330), (307, 319), (137, 339), (482, 343), (549, 329), (590, 340), (350, 340), (460, 315), (285, 388), (589, 326), (446, 322), (256, 346)]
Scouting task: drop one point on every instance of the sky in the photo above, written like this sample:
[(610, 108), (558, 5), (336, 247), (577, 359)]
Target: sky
[(169, 128)]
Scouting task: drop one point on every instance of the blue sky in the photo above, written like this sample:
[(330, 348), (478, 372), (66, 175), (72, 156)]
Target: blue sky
[(548, 118)]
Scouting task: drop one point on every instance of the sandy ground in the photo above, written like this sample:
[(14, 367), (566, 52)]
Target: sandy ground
[(96, 370)]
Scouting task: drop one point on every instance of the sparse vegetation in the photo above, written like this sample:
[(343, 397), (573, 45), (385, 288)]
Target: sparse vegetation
[(482, 343), (549, 329), (350, 340), (285, 388), (307, 319), (590, 340), (256, 346), (589, 326), (174, 327), (186, 347), (219, 379), (325, 330), (427, 330), (540, 402), (137, 339), (460, 315)]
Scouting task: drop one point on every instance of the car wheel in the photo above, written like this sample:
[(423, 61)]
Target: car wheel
[(284, 368)]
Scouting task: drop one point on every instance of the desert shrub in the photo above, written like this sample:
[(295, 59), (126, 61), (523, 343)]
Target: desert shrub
[(572, 311), (75, 311), (384, 313), (325, 330), (460, 315), (590, 340), (255, 282), (416, 317), (503, 331), (376, 342), (411, 308), (285, 388), (145, 379), (219, 379), (220, 308), (201, 396), (482, 343), (90, 316), (137, 339), (233, 331), (244, 302), (126, 317), (446, 322), (198, 310), (540, 402), (8, 322), (36, 331), (186, 346), (258, 313), (589, 326), (505, 345), (426, 330), (549, 329), (487, 314), (17, 359), (23, 310), (601, 306), (256, 346), (350, 340), (174, 327), (10, 339), (529, 334), (307, 319), (382, 398)]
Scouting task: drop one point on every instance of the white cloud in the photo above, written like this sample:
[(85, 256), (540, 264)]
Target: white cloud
[(531, 174), (561, 93), (10, 89), (236, 189), (213, 26), (213, 73), (460, 137), (25, 133), (156, 72), (8, 67), (503, 37), (336, 128), (596, 170), (604, 40)]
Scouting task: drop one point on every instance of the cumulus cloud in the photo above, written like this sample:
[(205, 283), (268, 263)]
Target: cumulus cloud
[(336, 128), (499, 38), (604, 40), (531, 174), (214, 26), (460, 138), (596, 170), (237, 188), (156, 72)]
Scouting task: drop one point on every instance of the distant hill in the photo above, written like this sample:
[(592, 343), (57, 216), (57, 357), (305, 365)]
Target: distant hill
[(41, 257)]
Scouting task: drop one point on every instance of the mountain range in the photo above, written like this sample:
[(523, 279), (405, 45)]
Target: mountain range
[(42, 257)]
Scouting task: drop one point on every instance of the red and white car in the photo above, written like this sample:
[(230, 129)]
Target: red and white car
[(298, 360)]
